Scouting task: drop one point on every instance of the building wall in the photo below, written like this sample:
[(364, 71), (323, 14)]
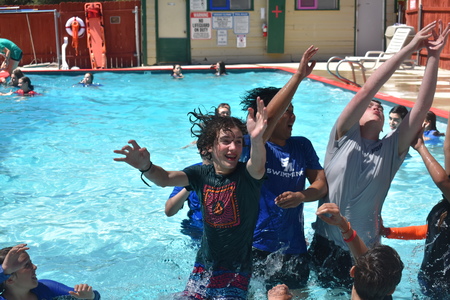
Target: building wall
[(330, 30)]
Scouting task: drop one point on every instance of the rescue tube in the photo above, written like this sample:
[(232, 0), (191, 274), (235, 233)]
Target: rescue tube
[(69, 26)]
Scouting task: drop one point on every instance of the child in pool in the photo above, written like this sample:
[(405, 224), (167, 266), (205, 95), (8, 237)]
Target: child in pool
[(26, 88), (176, 72), (431, 135), (18, 280), (229, 193)]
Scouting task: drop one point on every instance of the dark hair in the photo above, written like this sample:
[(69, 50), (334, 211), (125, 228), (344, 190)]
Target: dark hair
[(400, 110), (3, 253), (266, 94), (206, 128), (223, 70), (216, 111), (431, 117), (92, 76), (18, 73), (377, 272), (27, 80)]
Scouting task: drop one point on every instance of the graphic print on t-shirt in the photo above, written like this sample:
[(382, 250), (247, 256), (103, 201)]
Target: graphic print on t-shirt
[(221, 206)]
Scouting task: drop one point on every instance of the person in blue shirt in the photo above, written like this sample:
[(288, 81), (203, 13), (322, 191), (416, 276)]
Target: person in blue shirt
[(279, 238), (18, 280)]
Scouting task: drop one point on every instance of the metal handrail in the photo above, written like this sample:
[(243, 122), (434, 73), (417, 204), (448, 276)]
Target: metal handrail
[(351, 63)]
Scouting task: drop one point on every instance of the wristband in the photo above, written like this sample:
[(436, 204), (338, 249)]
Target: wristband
[(351, 238), (149, 168), (144, 171)]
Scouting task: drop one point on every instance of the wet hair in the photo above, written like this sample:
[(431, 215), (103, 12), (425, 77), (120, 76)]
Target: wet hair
[(223, 70), (248, 100), (27, 80), (216, 111), (377, 272), (400, 110), (18, 73), (92, 76), (3, 253), (431, 118), (206, 128)]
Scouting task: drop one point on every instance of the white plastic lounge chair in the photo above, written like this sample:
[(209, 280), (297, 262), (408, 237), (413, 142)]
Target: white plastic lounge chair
[(377, 57), (373, 57)]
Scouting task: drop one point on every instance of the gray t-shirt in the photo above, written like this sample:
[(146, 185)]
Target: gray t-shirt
[(359, 173)]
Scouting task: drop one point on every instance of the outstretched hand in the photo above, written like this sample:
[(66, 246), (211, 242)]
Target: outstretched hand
[(82, 291), (420, 39), (135, 156), (439, 40), (304, 69), (257, 123), (13, 260)]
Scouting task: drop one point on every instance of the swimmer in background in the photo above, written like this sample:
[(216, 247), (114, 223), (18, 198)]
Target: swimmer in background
[(431, 135), (26, 88), (176, 72), (18, 280), (14, 77), (220, 68), (223, 110), (88, 79), (396, 116)]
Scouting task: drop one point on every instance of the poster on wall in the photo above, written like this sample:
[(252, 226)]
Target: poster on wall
[(198, 5), (241, 23), (222, 20), (200, 25), (241, 41), (222, 37), (412, 4)]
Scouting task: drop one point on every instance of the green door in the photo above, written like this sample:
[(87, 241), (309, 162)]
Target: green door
[(173, 44)]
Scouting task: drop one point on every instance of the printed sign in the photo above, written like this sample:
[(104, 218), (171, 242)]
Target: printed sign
[(241, 41), (222, 37), (222, 20), (200, 25), (241, 23), (198, 4)]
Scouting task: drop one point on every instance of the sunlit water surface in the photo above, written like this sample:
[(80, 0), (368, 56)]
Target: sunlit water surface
[(90, 219)]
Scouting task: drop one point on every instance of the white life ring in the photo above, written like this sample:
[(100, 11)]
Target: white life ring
[(69, 26)]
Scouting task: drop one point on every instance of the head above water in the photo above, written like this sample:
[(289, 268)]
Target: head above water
[(396, 116), (207, 128), (430, 121), (25, 84), (223, 109), (22, 278), (88, 78), (15, 76), (377, 273)]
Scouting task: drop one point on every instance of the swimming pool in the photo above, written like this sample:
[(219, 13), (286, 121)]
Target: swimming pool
[(89, 219)]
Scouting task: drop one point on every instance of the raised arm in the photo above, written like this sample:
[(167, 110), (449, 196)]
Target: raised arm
[(256, 126), (414, 120), (139, 158), (437, 173), (354, 110), (355, 244), (280, 102)]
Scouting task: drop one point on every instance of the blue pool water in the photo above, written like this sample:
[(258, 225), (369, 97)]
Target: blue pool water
[(90, 219)]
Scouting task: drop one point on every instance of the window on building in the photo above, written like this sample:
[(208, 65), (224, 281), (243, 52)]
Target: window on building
[(317, 4), (230, 4)]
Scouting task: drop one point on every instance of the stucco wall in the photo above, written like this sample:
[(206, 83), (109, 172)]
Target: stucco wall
[(332, 31)]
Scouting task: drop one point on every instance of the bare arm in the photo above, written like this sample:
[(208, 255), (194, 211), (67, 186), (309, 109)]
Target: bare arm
[(447, 147), (175, 203), (256, 126), (139, 158), (315, 191), (356, 245), (437, 173), (353, 112), (278, 105), (414, 120)]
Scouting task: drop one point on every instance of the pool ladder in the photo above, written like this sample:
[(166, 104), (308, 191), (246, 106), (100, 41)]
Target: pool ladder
[(352, 64)]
